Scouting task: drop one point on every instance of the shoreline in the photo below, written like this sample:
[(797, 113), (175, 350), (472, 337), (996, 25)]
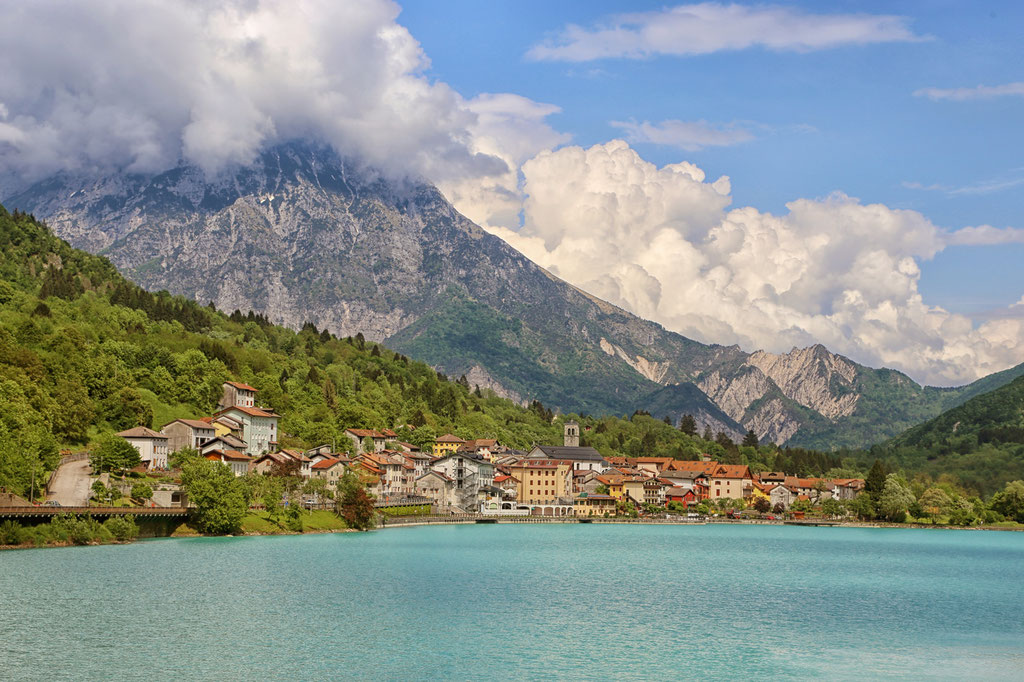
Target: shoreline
[(534, 521)]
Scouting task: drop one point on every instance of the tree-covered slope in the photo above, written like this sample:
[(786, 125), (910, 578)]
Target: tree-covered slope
[(980, 441)]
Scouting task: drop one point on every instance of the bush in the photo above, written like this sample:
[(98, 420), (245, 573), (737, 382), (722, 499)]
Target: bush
[(11, 533), (142, 492), (123, 528), (78, 531), (293, 519)]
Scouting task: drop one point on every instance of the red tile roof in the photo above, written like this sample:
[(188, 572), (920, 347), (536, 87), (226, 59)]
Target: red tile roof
[(251, 411), (731, 471), (233, 455), (448, 438), (327, 463), (691, 465), (240, 386)]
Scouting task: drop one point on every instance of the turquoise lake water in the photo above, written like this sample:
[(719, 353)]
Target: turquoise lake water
[(523, 602)]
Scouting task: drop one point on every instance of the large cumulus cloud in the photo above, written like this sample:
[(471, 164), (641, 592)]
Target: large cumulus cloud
[(663, 243), (140, 84)]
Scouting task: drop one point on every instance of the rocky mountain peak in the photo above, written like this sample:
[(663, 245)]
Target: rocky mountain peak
[(303, 235)]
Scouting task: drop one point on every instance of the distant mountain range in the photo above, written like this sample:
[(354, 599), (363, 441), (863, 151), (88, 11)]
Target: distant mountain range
[(304, 235)]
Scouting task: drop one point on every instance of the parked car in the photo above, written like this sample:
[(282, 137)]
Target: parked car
[(770, 517), (51, 503)]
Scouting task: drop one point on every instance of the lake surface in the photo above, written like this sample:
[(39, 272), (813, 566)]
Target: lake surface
[(523, 602)]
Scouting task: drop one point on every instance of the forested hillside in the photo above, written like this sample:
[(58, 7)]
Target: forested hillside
[(981, 442), (84, 352)]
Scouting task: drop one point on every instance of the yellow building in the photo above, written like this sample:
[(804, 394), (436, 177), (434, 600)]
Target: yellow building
[(621, 486), (542, 480), (592, 504), (446, 444)]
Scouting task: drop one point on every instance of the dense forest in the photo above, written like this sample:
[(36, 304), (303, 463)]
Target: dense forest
[(980, 444), (84, 352)]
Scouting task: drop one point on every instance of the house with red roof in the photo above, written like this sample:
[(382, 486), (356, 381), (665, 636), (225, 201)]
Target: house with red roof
[(732, 481), (236, 393), (330, 469), (237, 461)]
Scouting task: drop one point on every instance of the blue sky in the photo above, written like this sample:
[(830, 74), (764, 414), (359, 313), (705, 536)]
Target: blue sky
[(844, 118)]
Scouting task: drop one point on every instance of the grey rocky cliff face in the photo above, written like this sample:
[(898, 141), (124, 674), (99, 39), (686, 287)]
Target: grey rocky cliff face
[(305, 236), (813, 377)]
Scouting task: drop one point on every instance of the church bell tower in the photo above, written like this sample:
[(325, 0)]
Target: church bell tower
[(572, 434)]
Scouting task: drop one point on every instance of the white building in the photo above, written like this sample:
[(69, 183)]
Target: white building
[(259, 427), (152, 446), (469, 473)]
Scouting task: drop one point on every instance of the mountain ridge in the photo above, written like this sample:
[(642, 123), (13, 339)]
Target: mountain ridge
[(304, 235)]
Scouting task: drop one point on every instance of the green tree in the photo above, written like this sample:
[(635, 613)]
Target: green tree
[(113, 454), (688, 425), (353, 503), (316, 487), (862, 506), (1010, 501), (895, 499), (127, 409), (875, 481), (831, 507), (272, 497), (762, 504), (177, 459), (99, 491), (934, 501), (123, 528), (219, 497), (142, 492), (750, 440)]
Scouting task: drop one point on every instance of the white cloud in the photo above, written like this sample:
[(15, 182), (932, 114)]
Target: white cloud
[(510, 128), (990, 186), (985, 235), (686, 135), (663, 243), (977, 92), (712, 27), (143, 83)]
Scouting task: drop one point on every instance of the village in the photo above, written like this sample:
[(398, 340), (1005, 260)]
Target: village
[(478, 476)]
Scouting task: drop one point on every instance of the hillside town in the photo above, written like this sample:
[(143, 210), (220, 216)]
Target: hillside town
[(457, 475)]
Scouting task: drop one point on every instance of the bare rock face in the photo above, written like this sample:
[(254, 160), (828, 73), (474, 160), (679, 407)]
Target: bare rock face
[(770, 422), (813, 377), (303, 235), (478, 376), (734, 392)]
